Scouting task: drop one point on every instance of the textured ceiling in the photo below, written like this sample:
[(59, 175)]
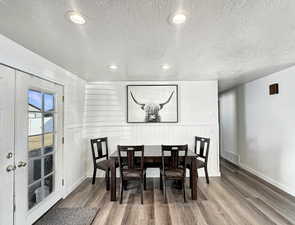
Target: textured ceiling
[(233, 41)]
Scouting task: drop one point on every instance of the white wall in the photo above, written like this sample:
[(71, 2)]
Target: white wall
[(228, 126), (17, 56), (266, 128), (198, 115)]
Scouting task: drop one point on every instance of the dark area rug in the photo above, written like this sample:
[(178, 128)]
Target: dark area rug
[(68, 216)]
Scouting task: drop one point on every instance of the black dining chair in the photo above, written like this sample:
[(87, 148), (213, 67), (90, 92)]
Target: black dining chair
[(131, 163), (100, 157), (202, 146), (173, 166)]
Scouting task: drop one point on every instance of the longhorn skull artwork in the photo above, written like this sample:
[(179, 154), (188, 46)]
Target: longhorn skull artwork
[(152, 110)]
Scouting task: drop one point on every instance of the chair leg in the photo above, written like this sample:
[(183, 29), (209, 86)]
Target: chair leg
[(141, 189), (94, 176), (164, 188), (161, 182), (144, 182), (121, 192), (183, 188), (206, 173), (125, 184), (107, 179), (190, 179)]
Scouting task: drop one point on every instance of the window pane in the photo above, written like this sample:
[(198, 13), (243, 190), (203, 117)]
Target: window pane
[(48, 123), (48, 164), (48, 139), (35, 142), (34, 194), (48, 185), (48, 102), (34, 153), (35, 100), (34, 170), (48, 149), (35, 123)]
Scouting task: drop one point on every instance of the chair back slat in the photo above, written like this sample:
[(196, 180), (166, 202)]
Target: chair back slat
[(202, 147), (130, 157), (99, 148), (202, 150), (174, 163), (174, 157)]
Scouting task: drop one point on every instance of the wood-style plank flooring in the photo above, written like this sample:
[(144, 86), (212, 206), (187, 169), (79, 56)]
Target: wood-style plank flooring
[(234, 198)]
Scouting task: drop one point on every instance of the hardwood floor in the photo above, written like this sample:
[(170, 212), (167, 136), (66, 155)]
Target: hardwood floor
[(234, 198)]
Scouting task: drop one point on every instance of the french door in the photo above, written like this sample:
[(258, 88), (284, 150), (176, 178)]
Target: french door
[(34, 170), (7, 90)]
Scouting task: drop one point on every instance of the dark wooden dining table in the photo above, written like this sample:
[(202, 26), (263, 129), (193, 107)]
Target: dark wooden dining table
[(153, 159)]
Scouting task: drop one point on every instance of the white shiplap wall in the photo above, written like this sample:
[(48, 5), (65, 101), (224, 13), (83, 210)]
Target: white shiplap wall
[(105, 115)]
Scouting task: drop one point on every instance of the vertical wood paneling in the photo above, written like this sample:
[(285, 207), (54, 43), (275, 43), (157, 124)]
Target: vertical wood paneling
[(105, 115)]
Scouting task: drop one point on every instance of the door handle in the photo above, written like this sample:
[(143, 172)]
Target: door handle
[(10, 168), (21, 164), (9, 155)]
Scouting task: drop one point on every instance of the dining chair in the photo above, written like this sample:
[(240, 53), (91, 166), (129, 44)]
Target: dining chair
[(202, 146), (100, 157), (131, 164), (173, 166)]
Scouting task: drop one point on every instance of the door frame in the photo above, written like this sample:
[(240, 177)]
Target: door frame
[(62, 169)]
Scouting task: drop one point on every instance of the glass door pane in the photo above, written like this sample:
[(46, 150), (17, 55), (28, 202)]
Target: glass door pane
[(41, 171)]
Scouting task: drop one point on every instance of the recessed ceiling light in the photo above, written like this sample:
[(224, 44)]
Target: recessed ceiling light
[(166, 66), (177, 18), (76, 17), (113, 67)]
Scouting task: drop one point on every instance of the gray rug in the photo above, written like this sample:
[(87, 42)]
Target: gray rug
[(68, 216)]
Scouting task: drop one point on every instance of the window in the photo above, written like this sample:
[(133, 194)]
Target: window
[(41, 146)]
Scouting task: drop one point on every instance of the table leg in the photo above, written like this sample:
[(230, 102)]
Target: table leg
[(194, 178), (113, 181)]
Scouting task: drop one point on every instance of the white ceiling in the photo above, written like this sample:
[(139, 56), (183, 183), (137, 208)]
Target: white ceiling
[(233, 41)]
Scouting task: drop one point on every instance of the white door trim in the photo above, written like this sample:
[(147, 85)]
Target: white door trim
[(34, 75)]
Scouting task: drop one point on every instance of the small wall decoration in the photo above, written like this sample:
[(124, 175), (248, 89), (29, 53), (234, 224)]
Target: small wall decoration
[(152, 103), (274, 89)]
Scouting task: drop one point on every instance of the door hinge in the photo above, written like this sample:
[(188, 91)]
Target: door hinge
[(63, 98), (62, 182), (63, 140), (14, 207)]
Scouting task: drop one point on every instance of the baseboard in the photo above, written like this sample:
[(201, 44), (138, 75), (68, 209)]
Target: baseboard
[(236, 165), (70, 189), (231, 157), (268, 180)]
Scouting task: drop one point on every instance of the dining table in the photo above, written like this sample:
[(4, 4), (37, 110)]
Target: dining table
[(153, 159)]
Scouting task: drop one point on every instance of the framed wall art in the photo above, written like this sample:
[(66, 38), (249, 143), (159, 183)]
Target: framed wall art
[(152, 103)]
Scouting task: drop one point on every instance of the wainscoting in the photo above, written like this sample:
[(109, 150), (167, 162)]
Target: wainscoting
[(105, 115)]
